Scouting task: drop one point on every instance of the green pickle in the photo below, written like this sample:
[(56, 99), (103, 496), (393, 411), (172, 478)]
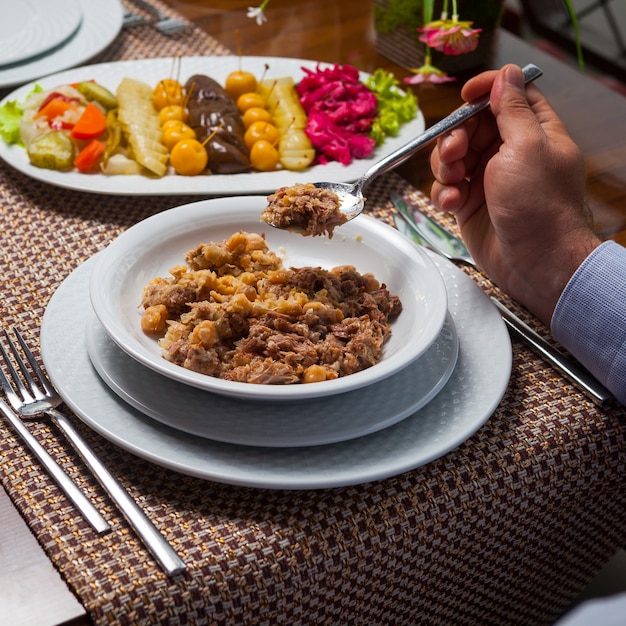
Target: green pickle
[(97, 93), (52, 151)]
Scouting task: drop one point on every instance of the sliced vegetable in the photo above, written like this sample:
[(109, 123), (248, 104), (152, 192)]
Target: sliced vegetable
[(56, 107), (140, 123), (295, 149), (114, 136), (91, 124), (89, 156), (52, 151), (97, 93)]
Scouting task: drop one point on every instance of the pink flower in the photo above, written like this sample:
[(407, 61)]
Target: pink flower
[(450, 36), (428, 74)]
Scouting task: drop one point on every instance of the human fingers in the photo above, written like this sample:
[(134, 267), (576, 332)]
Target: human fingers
[(478, 85)]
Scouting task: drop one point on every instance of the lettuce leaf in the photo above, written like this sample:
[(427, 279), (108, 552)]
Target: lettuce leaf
[(395, 107), (10, 114)]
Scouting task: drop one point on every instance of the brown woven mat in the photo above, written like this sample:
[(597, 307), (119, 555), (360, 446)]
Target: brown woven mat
[(505, 529)]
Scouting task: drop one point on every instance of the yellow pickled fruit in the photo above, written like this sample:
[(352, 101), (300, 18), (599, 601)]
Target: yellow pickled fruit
[(240, 82), (255, 114), (172, 112), (264, 156), (189, 157), (175, 131), (168, 91), (248, 100), (260, 130)]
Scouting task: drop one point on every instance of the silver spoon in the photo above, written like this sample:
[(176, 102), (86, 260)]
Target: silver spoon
[(351, 195)]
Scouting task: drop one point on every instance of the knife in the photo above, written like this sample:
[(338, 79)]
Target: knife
[(426, 232)]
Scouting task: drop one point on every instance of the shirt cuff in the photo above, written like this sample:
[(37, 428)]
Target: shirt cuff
[(590, 317)]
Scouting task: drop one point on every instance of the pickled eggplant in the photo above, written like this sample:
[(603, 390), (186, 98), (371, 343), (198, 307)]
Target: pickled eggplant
[(52, 151)]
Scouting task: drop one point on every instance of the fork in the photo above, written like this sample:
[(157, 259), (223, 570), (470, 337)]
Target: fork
[(88, 510), (32, 398), (133, 19), (164, 24)]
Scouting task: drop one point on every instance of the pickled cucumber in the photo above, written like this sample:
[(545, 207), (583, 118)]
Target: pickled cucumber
[(52, 151), (97, 93)]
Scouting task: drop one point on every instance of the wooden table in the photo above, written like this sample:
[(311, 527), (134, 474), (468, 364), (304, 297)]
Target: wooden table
[(342, 32)]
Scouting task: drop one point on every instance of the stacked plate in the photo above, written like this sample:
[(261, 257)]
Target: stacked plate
[(444, 369), (38, 37)]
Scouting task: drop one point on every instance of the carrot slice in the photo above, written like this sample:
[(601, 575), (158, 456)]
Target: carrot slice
[(54, 108), (87, 158), (91, 124)]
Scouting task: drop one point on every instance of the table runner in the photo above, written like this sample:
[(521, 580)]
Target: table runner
[(505, 529)]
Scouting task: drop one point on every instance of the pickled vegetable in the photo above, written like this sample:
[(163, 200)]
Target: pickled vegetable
[(97, 93), (294, 148), (52, 151), (140, 123)]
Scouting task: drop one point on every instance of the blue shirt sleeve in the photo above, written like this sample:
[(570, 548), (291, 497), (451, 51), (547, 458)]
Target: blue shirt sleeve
[(590, 317)]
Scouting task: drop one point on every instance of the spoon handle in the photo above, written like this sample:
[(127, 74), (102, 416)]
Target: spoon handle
[(531, 72)]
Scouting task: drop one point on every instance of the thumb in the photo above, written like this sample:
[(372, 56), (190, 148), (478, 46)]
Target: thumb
[(510, 105)]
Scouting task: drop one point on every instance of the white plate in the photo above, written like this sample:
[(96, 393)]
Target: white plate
[(153, 246), (101, 23), (466, 402), (218, 67), (32, 27), (311, 423)]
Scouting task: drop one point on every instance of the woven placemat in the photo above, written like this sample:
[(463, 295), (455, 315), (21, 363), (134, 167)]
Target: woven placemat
[(505, 529)]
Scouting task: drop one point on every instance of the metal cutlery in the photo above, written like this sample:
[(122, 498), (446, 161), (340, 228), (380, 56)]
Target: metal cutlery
[(87, 509), (163, 23), (33, 396), (438, 239)]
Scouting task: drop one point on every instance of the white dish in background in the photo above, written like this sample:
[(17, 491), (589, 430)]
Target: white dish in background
[(32, 27), (100, 25), (466, 402), (153, 246), (278, 424), (218, 67)]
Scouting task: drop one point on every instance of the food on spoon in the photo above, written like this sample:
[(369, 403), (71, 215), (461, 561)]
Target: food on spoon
[(233, 311), (139, 120), (212, 110), (305, 209)]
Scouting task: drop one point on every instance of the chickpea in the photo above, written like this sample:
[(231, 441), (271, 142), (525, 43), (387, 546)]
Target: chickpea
[(204, 333), (314, 374), (154, 319)]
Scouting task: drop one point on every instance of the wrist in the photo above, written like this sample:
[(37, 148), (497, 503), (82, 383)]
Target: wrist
[(548, 278)]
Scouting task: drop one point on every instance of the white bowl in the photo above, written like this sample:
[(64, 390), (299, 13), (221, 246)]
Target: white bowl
[(151, 247)]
